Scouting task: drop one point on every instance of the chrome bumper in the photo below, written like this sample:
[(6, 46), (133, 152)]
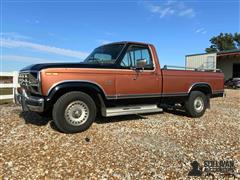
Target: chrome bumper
[(29, 103)]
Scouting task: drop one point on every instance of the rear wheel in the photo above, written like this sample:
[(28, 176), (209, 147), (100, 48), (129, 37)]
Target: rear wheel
[(74, 112), (196, 104)]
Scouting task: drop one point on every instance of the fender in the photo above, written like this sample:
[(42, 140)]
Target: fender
[(74, 84), (200, 85)]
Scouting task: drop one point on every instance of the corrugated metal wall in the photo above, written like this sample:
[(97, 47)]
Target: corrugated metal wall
[(226, 65), (206, 61)]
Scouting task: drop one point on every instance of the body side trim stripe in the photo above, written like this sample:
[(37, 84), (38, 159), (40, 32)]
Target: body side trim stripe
[(131, 96)]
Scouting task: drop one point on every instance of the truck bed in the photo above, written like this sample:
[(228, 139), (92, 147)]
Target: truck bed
[(176, 81)]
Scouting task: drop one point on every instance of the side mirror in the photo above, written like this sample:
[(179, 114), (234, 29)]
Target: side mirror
[(141, 63)]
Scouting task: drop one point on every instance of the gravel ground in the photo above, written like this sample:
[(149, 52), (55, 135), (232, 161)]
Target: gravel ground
[(154, 146)]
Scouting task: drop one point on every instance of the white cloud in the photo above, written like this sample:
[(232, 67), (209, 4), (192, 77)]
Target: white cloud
[(14, 35), (162, 11), (26, 59), (32, 21), (171, 8), (201, 30), (10, 43), (187, 12)]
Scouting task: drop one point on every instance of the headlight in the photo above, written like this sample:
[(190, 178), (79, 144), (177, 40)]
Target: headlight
[(33, 78), (30, 81)]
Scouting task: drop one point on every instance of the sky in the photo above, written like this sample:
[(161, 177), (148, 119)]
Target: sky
[(39, 31)]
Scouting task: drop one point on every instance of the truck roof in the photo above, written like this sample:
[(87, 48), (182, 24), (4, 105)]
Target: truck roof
[(128, 42)]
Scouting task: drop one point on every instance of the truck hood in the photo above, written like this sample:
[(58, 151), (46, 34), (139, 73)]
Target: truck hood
[(38, 67)]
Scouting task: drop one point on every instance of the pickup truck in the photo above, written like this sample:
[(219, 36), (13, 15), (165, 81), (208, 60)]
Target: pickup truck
[(115, 79)]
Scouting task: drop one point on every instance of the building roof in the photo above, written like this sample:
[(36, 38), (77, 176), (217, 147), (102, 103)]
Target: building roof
[(229, 52), (221, 53)]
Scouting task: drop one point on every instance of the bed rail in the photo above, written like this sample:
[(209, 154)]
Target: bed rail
[(190, 68)]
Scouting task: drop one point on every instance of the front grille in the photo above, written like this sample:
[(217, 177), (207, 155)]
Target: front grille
[(29, 81), (23, 79)]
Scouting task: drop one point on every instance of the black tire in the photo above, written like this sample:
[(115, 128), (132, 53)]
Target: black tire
[(61, 107), (191, 105)]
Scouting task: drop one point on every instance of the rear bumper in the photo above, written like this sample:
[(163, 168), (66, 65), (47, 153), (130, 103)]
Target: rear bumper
[(29, 103)]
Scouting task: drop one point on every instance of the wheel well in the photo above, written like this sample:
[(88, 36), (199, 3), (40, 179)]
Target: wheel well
[(205, 88), (93, 93)]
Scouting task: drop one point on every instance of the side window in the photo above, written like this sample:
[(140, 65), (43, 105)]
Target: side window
[(133, 54), (126, 61)]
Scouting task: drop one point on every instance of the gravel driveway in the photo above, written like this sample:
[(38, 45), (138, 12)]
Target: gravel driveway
[(150, 146)]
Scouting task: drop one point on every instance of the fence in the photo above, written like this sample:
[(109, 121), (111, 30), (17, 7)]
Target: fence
[(13, 76)]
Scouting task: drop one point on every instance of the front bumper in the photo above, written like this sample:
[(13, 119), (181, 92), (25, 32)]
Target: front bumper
[(29, 103)]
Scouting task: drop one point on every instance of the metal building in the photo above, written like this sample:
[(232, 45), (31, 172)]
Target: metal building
[(227, 61)]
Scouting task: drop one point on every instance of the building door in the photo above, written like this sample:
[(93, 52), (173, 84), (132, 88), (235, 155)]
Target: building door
[(236, 70)]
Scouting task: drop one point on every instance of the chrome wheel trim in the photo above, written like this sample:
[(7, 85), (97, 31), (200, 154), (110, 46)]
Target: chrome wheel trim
[(76, 113), (198, 104)]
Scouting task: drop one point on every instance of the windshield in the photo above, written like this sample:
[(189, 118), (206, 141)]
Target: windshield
[(105, 54)]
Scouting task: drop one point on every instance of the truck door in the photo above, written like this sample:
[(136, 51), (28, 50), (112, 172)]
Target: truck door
[(132, 82)]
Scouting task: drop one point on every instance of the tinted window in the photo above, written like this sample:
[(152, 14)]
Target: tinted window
[(105, 54), (133, 54)]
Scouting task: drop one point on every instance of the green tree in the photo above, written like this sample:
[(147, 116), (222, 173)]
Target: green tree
[(222, 42), (237, 39)]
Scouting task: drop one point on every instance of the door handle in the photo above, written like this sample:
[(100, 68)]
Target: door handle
[(136, 76)]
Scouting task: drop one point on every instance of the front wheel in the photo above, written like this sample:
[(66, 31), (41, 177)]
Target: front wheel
[(196, 104), (74, 112)]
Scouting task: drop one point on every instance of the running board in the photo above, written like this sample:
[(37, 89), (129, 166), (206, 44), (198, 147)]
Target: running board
[(136, 109)]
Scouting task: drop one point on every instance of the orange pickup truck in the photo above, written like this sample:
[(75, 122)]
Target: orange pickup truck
[(115, 79)]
